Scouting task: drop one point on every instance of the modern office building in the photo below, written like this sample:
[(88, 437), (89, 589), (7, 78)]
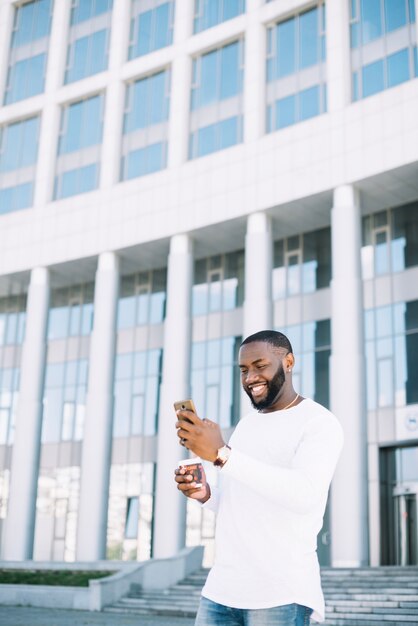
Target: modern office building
[(175, 175)]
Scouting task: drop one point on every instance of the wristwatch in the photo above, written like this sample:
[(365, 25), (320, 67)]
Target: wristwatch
[(223, 456)]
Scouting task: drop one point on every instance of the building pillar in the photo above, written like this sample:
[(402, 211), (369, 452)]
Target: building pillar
[(97, 439), (20, 521), (51, 113), (258, 304), (349, 520), (181, 76), (254, 91), (338, 55), (170, 505), (115, 95)]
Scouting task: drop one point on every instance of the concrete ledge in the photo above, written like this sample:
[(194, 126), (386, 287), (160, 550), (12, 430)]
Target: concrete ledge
[(153, 574), (45, 596)]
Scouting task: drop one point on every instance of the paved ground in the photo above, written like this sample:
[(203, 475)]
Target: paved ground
[(26, 616)]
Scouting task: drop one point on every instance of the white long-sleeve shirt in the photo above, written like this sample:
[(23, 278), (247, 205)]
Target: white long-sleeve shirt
[(270, 506)]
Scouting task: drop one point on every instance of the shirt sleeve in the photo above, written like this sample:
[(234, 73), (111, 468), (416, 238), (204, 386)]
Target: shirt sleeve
[(213, 503), (302, 485)]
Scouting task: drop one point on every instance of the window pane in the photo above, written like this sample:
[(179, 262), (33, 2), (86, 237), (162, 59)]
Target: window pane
[(286, 43), (395, 14), (398, 67), (371, 20), (309, 103), (373, 78), (308, 37)]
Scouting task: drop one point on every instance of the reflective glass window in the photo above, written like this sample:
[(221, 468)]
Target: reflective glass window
[(28, 50), (145, 129), (56, 514), (12, 320), (311, 343), (151, 26), (392, 245), (71, 312), (215, 379), (382, 44), (218, 283), (391, 353), (130, 513), (302, 263), (142, 299), (208, 13), (64, 401), (89, 35), (78, 160), (18, 155), (9, 392), (216, 100), (295, 69), (137, 389)]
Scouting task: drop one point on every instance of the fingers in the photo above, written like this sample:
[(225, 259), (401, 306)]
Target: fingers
[(188, 415)]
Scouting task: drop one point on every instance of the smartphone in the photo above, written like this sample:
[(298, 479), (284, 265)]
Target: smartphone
[(185, 405)]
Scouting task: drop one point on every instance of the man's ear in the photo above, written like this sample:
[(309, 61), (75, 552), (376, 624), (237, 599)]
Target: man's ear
[(288, 362)]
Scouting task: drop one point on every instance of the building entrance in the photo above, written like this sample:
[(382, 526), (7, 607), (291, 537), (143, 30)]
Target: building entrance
[(399, 505), (406, 523)]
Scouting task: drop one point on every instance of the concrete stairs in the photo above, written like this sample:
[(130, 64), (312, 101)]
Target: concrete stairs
[(370, 596)]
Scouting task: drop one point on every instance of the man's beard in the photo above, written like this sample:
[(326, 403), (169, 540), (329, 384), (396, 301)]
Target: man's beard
[(273, 389)]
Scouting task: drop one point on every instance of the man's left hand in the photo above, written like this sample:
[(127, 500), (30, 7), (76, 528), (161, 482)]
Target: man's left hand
[(202, 437)]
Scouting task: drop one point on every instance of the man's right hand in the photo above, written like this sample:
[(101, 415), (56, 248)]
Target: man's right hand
[(187, 486)]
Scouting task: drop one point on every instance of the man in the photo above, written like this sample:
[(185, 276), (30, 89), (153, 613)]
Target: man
[(274, 479)]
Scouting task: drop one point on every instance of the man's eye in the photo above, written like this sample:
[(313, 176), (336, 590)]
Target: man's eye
[(260, 367)]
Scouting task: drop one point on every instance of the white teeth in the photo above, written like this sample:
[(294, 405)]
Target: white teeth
[(256, 390)]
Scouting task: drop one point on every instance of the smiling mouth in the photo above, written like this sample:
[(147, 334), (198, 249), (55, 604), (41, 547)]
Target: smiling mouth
[(258, 390)]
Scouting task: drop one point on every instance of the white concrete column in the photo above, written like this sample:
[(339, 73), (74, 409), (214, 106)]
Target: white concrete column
[(258, 304), (20, 521), (349, 522), (254, 91), (170, 505), (338, 55), (6, 25), (47, 150), (115, 95), (97, 440), (181, 76)]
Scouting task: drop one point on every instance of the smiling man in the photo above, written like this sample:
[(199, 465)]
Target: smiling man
[(275, 474)]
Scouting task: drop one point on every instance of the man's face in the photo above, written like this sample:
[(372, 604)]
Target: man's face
[(262, 374)]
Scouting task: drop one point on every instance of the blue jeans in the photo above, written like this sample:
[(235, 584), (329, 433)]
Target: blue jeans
[(213, 614)]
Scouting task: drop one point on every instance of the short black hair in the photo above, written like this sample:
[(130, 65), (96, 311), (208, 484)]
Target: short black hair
[(273, 337)]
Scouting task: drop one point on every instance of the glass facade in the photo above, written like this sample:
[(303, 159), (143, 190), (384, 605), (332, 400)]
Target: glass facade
[(131, 503), (56, 514), (145, 127), (137, 390), (302, 263), (216, 100), (208, 13), (64, 401), (71, 312), (28, 50), (390, 241), (151, 26), (392, 355), (88, 41), (383, 45), (18, 156), (12, 327), (142, 299), (311, 343), (79, 146), (296, 72), (218, 283), (215, 379)]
